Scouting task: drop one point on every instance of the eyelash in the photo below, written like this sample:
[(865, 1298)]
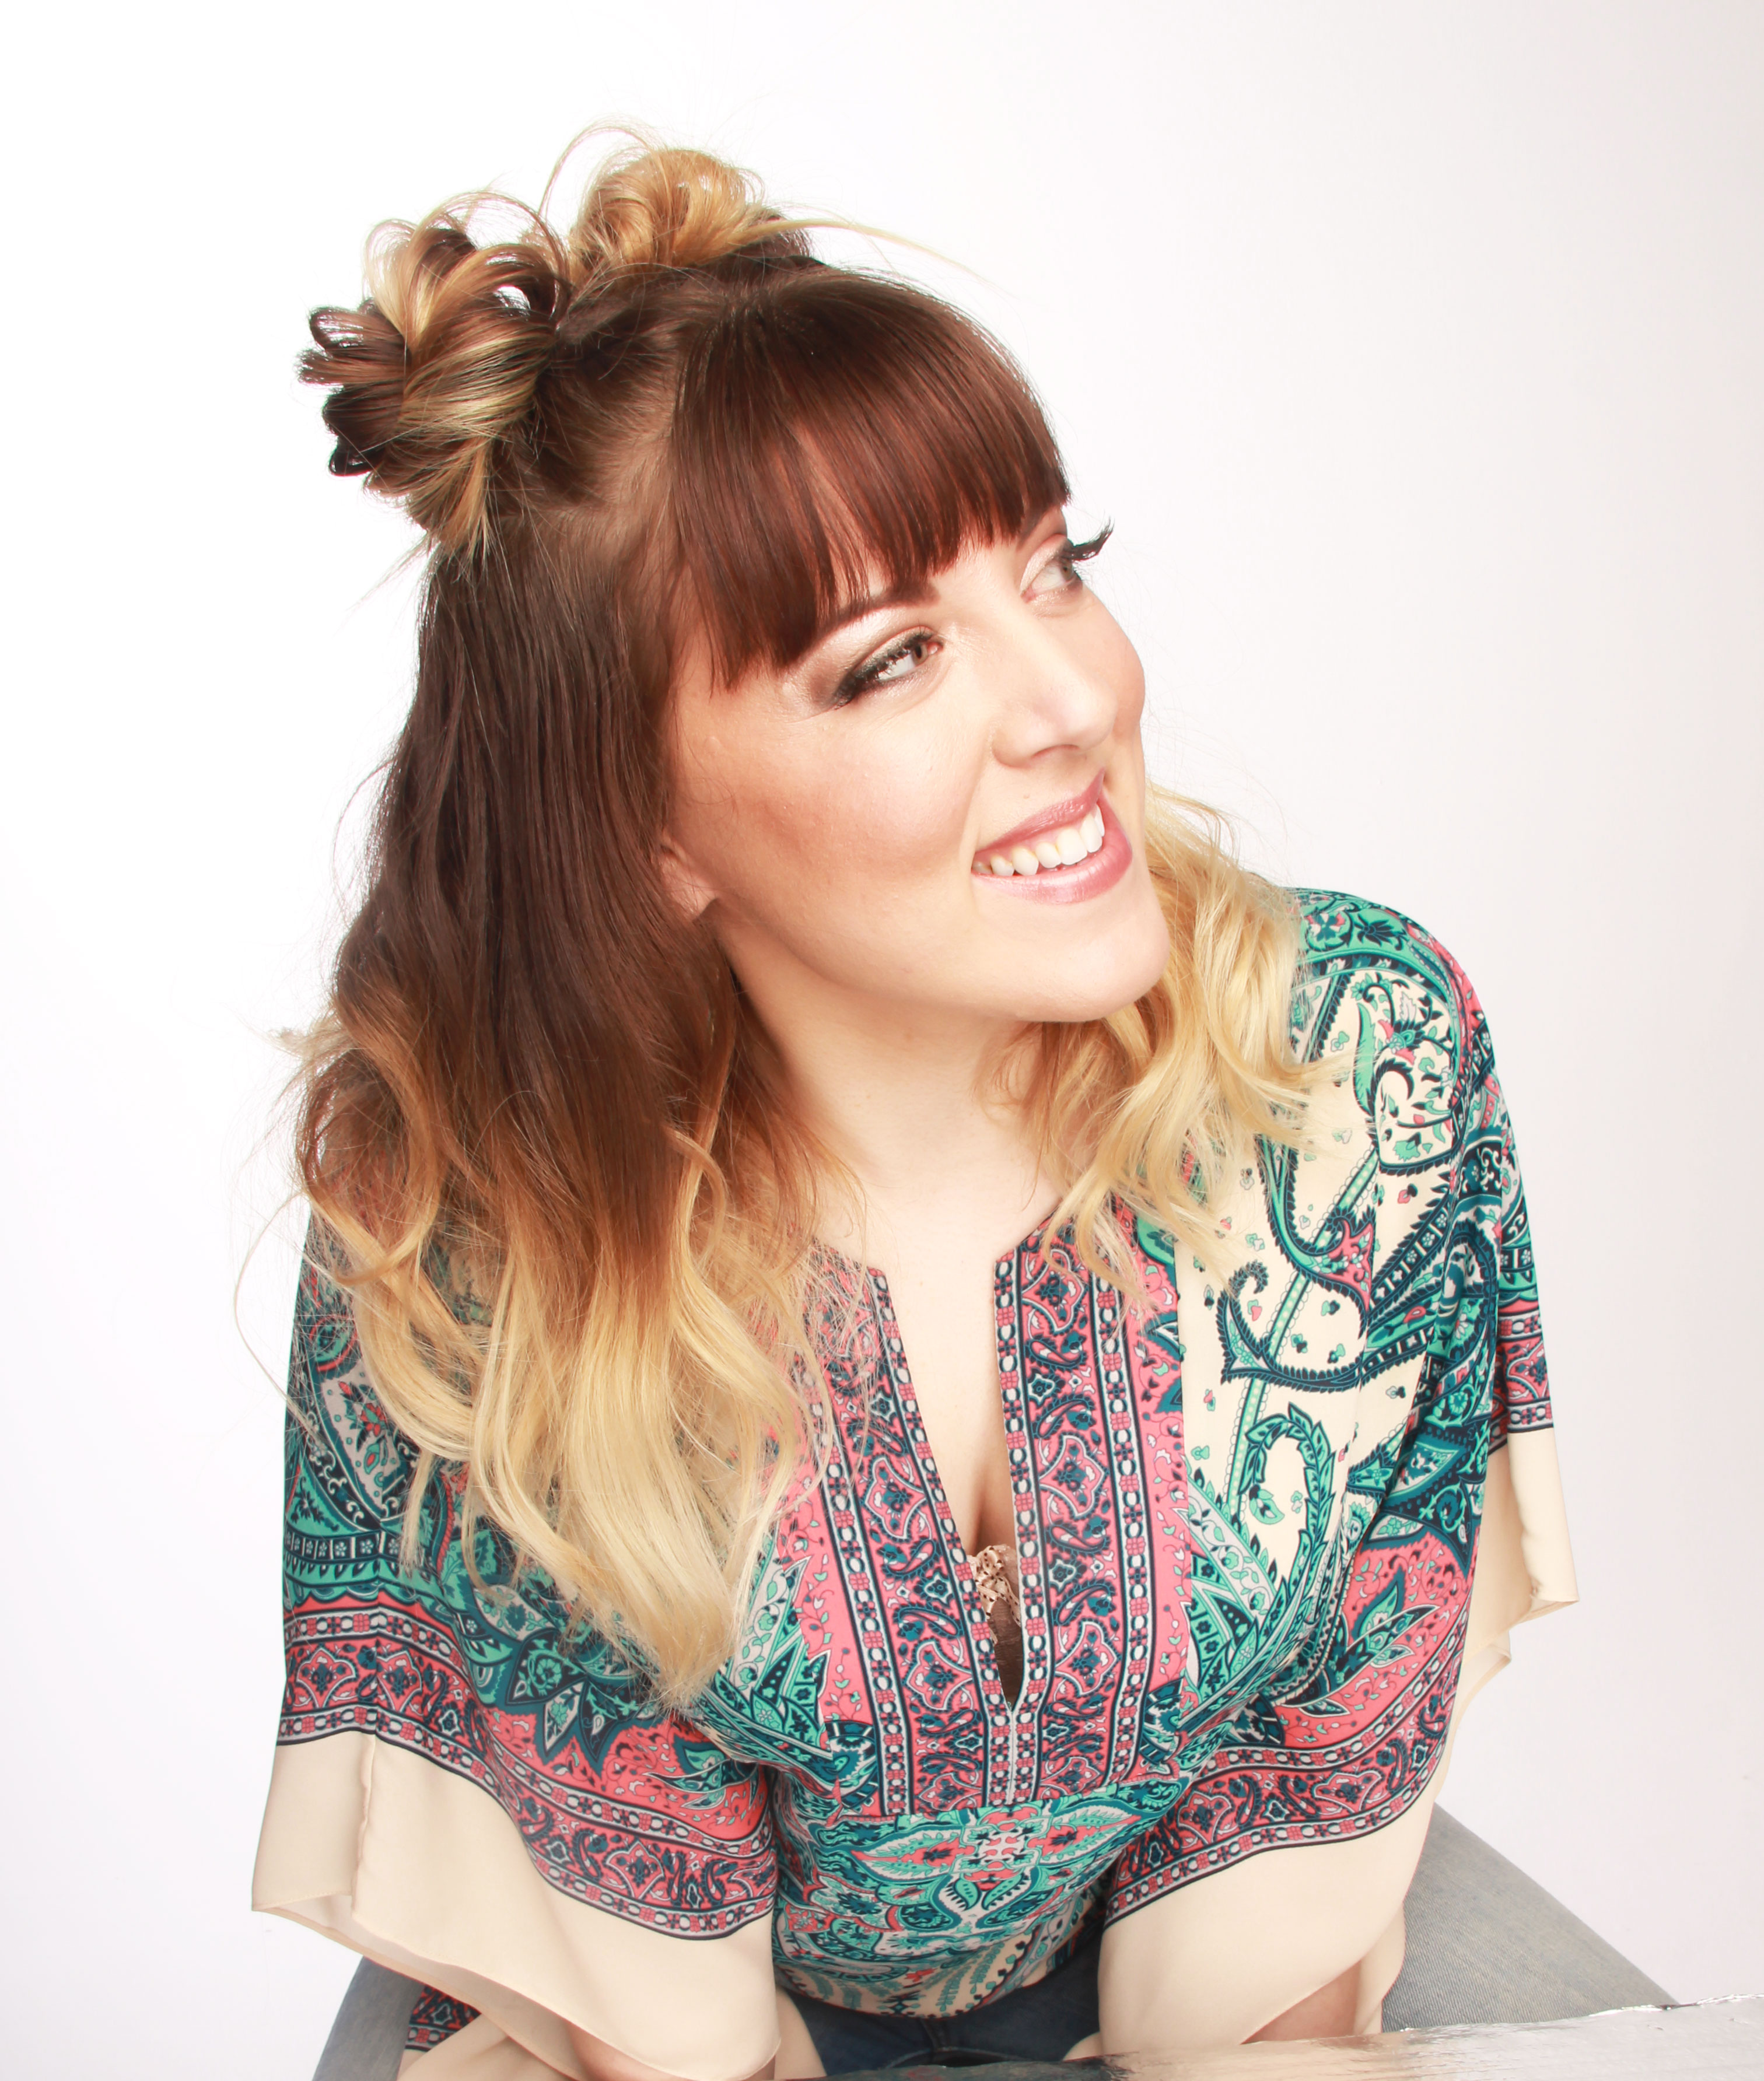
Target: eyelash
[(860, 680)]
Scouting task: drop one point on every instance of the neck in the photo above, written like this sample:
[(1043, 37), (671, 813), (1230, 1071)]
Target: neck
[(898, 1096)]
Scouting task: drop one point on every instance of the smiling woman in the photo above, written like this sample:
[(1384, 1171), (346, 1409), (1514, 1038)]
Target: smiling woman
[(1001, 720), (773, 964)]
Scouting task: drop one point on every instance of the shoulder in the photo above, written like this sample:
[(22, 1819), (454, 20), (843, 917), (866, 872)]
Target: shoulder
[(487, 1630), (1341, 935), (1356, 952), (331, 1396), (1379, 992), (351, 1449)]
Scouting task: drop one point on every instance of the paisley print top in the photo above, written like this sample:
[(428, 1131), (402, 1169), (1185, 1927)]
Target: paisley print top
[(1248, 1506)]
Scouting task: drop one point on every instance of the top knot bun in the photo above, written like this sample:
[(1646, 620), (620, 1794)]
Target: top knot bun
[(653, 206), (439, 364)]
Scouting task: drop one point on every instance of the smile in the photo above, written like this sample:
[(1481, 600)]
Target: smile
[(1064, 846), (1071, 852)]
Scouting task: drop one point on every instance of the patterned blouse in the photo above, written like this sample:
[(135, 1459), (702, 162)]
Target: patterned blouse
[(1248, 1506)]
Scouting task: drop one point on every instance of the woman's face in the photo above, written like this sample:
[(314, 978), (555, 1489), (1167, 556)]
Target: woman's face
[(937, 814)]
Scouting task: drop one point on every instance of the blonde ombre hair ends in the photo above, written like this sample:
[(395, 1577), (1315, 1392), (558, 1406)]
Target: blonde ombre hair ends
[(548, 1146)]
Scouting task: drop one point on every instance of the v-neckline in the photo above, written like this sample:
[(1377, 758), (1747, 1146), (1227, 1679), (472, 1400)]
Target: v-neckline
[(1003, 1268), (889, 1561), (1025, 1523)]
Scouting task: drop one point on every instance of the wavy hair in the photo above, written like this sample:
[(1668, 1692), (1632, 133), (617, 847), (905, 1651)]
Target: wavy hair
[(548, 1145)]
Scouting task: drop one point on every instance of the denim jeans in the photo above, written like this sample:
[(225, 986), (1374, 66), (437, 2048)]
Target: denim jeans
[(1035, 2023)]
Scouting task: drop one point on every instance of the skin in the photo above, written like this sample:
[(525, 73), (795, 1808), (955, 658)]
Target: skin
[(833, 841), (827, 817)]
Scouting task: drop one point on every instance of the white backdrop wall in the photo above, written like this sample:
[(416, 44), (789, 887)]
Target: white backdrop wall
[(1415, 353)]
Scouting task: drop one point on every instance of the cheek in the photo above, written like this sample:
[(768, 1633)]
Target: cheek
[(895, 822), (776, 830)]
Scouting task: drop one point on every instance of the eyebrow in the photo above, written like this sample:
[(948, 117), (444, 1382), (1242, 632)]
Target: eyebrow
[(898, 596)]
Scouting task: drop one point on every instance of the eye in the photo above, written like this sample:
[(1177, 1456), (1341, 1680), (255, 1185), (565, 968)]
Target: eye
[(896, 661), (1059, 573)]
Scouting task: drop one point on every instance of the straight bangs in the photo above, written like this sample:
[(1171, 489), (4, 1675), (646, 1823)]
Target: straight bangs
[(833, 431)]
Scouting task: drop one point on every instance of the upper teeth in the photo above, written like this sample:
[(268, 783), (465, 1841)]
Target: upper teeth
[(1065, 847)]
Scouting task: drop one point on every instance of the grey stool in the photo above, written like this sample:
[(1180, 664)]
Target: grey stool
[(367, 2040), (1486, 1945)]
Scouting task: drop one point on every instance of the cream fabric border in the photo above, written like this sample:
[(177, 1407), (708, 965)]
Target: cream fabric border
[(423, 1871), (1213, 1963)]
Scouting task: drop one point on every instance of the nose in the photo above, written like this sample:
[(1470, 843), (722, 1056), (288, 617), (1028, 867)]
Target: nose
[(1050, 696)]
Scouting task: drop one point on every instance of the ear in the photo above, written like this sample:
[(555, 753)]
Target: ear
[(691, 894)]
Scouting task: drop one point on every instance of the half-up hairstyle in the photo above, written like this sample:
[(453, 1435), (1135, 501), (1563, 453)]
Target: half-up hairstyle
[(550, 1154)]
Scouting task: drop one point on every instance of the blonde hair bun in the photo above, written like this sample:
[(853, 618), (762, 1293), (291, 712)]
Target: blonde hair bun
[(440, 363), (663, 206)]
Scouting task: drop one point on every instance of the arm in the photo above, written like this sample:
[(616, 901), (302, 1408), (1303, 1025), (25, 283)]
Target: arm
[(445, 1727), (601, 2062), (1328, 2013), (1269, 1904), (797, 2059)]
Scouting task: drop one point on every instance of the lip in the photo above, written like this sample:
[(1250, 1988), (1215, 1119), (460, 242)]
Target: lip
[(1073, 810), (1071, 884)]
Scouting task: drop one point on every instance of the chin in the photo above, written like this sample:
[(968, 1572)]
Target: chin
[(1105, 980)]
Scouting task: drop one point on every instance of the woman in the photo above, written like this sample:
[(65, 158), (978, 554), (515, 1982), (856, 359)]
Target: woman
[(902, 1372)]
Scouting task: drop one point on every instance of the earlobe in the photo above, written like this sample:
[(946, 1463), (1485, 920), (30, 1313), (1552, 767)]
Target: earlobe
[(691, 894)]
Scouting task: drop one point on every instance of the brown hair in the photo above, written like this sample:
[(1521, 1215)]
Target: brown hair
[(541, 1129)]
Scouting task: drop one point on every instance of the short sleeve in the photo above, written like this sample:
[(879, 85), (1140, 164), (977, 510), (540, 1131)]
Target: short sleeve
[(1286, 1859), (473, 1792)]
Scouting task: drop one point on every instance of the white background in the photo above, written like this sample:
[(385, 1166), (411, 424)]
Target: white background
[(1417, 353)]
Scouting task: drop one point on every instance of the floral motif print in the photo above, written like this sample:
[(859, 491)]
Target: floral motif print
[(1247, 1502)]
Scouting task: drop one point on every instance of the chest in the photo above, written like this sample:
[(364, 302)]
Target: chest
[(874, 1583), (944, 1352), (1176, 1496)]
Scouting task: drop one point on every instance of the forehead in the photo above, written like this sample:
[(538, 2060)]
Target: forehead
[(851, 437)]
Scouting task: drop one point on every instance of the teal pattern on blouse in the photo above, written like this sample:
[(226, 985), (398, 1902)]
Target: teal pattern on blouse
[(1247, 1511)]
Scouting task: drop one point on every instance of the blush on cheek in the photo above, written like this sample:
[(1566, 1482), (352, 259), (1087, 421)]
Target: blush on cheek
[(886, 826), (817, 865)]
